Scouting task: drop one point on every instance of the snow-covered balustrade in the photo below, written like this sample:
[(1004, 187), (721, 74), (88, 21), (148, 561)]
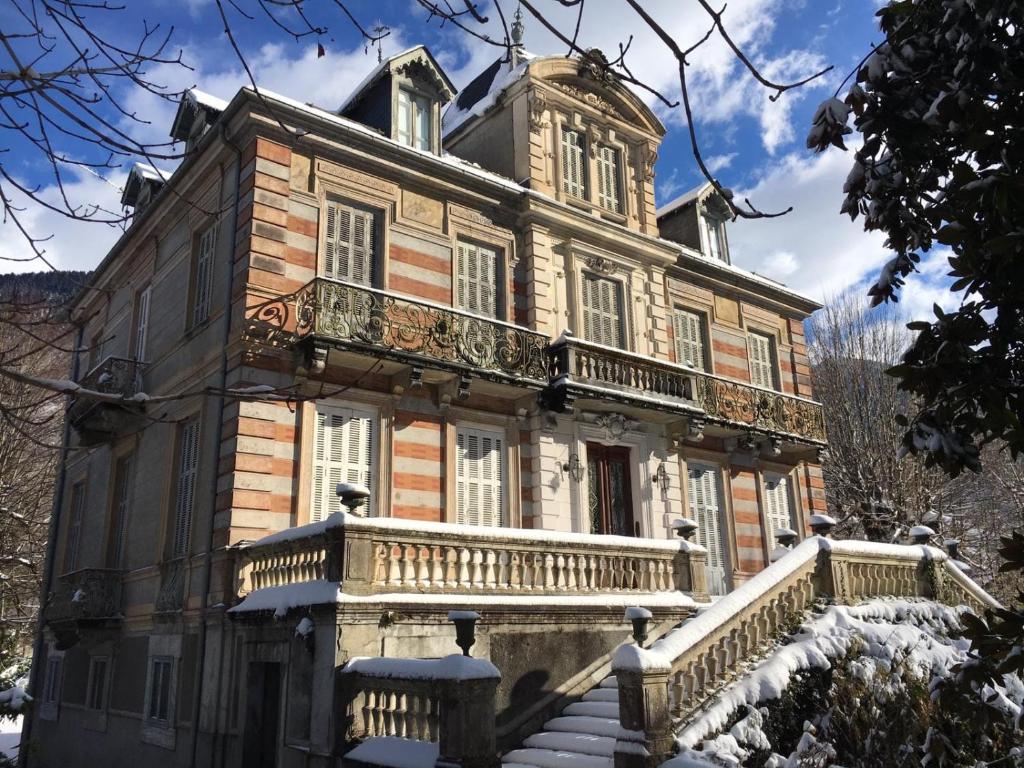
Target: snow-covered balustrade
[(390, 555), (689, 665), (450, 701)]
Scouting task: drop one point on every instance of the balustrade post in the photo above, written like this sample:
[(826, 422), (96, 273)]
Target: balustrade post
[(691, 574), (467, 714), (645, 738), (350, 560)]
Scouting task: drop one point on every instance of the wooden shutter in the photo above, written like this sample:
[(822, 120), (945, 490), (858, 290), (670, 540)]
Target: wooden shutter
[(688, 329), (203, 287), (188, 467), (716, 238), (573, 165), (480, 477), (74, 537), (404, 118), (477, 281), (423, 118), (122, 495), (777, 505), (706, 510), (142, 322), (350, 244), (602, 311), (762, 367), (343, 452), (608, 179)]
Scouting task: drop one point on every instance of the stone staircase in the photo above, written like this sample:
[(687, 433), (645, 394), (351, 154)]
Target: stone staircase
[(583, 736)]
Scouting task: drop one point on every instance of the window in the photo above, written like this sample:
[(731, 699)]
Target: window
[(415, 114), (778, 509), (706, 510), (716, 238), (350, 243), (96, 689), (74, 536), (158, 707), (202, 284), (142, 322), (574, 167), (602, 311), (344, 451), (760, 354), (608, 179), (51, 689), (188, 466), (478, 279), (120, 510), (688, 329), (480, 476)]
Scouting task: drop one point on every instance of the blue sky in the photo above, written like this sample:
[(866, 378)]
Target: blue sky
[(755, 146)]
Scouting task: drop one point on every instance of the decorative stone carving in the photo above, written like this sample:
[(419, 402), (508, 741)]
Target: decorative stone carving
[(538, 106), (341, 172), (650, 158), (599, 264), (615, 425), (594, 66), (591, 99), (468, 214), (422, 209)]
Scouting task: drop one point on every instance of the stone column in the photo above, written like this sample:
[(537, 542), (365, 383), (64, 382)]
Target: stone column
[(645, 739), (466, 722), (692, 574)]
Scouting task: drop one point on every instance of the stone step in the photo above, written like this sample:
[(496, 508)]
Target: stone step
[(549, 758), (584, 743), (598, 726), (609, 682), (602, 694), (609, 709)]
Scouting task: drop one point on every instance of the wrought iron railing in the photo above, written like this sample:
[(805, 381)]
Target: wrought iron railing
[(171, 594), (378, 320), (89, 594), (115, 376)]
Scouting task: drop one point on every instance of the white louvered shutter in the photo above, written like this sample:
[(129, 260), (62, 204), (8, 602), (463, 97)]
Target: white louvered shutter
[(573, 164), (477, 279), (349, 244), (188, 467), (777, 505), (706, 509), (343, 452), (602, 311), (480, 477), (759, 351), (404, 118), (688, 329), (203, 287), (142, 323), (608, 179)]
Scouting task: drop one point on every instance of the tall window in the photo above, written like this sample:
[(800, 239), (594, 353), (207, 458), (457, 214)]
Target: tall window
[(350, 243), (688, 329), (74, 538), (202, 283), (706, 509), (716, 238), (343, 452), (158, 706), (609, 177), (414, 120), (120, 511), (760, 353), (51, 689), (478, 279), (142, 322), (188, 468), (480, 476), (778, 506), (602, 310), (96, 689), (574, 166)]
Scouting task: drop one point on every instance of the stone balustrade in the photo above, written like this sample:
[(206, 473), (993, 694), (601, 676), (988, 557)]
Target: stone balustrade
[(389, 555), (664, 684)]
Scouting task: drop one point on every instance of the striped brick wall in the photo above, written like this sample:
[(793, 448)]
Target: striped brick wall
[(418, 466), (746, 520), (419, 268), (812, 490), (529, 469), (729, 350), (801, 366)]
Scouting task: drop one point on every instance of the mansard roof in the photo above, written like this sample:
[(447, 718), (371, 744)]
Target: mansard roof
[(419, 54)]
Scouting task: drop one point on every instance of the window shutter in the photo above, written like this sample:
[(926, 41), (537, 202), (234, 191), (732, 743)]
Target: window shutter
[(608, 179), (762, 370), (476, 282), (423, 119), (185, 501), (343, 452), (573, 167), (706, 509), (404, 118), (350, 244), (74, 537), (142, 323), (688, 329), (122, 491), (777, 505), (204, 276), (480, 477), (602, 311)]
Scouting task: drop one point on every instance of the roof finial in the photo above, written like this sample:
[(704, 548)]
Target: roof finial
[(518, 28)]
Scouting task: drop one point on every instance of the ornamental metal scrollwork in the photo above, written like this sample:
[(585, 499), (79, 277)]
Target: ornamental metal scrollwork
[(774, 411)]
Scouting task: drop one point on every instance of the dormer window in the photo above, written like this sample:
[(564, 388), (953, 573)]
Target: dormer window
[(414, 120), (715, 228)]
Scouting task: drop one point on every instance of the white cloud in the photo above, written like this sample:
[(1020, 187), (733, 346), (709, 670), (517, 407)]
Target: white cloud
[(718, 162)]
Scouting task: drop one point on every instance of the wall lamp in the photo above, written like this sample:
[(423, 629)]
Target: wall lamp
[(661, 478), (574, 467)]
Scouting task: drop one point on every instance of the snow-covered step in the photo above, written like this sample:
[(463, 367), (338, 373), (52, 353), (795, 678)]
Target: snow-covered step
[(549, 758), (514, 765), (608, 709), (609, 682), (584, 743), (602, 694), (598, 726)]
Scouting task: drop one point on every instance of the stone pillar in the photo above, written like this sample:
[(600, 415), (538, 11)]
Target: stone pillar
[(466, 722), (350, 559), (692, 574), (645, 739)]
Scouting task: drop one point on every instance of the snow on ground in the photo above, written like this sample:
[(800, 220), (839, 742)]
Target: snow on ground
[(10, 737)]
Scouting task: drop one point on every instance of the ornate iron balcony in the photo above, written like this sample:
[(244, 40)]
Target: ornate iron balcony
[(97, 420), (412, 331), (762, 408), (90, 597)]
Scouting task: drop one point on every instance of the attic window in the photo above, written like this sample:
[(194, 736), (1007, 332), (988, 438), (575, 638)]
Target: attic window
[(414, 120), (717, 247)]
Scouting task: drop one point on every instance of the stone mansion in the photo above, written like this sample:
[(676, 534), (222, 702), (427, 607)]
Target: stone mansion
[(465, 301)]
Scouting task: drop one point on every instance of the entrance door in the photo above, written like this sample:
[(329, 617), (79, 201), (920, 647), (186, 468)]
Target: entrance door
[(611, 500), (262, 716)]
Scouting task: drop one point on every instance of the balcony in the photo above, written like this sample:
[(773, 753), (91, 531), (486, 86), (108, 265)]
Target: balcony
[(581, 369), (417, 333), (86, 599), (118, 406)]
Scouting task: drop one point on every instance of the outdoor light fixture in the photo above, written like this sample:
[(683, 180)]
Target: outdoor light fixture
[(639, 618), (574, 467), (352, 495), (661, 478), (465, 628)]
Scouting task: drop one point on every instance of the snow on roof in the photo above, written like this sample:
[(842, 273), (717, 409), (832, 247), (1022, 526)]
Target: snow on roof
[(684, 199), (283, 599), (383, 66), (482, 93), (204, 99), (148, 173)]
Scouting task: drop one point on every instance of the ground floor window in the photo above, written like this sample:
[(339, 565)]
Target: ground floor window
[(480, 474), (51, 689), (778, 505), (707, 510), (96, 689), (158, 706), (344, 451)]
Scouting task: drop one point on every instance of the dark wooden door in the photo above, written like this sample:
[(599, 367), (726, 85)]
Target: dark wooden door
[(263, 714), (611, 499)]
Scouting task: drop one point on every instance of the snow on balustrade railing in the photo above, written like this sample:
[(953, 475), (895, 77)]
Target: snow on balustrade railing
[(390, 555)]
